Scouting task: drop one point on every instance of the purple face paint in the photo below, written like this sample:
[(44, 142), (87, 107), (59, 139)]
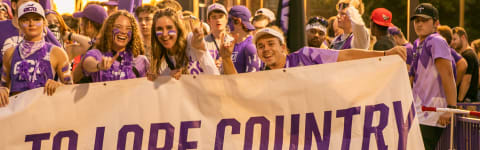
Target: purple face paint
[(25, 25), (129, 34), (38, 24), (117, 31), (159, 33), (170, 33), (65, 68)]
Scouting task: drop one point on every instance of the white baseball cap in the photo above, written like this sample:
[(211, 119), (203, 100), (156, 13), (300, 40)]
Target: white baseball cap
[(267, 12), (31, 7), (270, 31), (216, 6)]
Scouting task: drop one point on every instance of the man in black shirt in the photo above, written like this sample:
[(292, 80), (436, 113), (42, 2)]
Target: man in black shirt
[(381, 19), (467, 91)]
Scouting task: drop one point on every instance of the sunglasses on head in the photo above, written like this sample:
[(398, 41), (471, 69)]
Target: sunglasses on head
[(320, 20)]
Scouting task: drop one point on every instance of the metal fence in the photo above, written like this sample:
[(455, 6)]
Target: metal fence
[(466, 134)]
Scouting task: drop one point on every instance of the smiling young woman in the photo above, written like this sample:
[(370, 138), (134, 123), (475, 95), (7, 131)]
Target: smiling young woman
[(34, 62), (119, 51), (175, 51)]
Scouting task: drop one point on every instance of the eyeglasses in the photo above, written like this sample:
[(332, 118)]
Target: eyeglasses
[(317, 19)]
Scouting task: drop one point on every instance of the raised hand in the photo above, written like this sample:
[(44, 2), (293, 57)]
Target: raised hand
[(198, 35), (107, 62), (226, 47)]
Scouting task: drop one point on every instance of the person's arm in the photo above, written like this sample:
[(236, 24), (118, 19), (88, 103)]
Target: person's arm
[(353, 54), (94, 61), (461, 66), (62, 65), (5, 88), (444, 68), (464, 86), (80, 47), (197, 40), (361, 37)]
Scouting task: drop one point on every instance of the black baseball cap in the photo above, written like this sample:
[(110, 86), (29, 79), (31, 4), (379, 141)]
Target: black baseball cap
[(426, 10)]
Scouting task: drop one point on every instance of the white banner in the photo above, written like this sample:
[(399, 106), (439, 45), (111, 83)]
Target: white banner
[(363, 104)]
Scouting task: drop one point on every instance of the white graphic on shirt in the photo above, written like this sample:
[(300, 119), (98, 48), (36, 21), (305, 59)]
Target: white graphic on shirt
[(11, 42)]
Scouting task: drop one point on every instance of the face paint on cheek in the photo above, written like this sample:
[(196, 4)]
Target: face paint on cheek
[(38, 24), (66, 68), (129, 34), (25, 25), (115, 31), (172, 32), (159, 33)]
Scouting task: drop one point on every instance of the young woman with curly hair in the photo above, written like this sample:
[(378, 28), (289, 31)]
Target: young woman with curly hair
[(119, 51)]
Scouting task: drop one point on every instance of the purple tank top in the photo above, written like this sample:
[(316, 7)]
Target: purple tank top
[(31, 72), (119, 71)]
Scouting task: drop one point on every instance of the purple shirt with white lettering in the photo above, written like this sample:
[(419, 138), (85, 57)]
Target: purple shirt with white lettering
[(245, 57), (310, 56), (427, 86)]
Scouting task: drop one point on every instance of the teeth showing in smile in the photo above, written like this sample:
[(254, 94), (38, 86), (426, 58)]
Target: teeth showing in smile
[(122, 37)]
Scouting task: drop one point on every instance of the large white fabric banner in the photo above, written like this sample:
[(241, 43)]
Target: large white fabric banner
[(362, 104)]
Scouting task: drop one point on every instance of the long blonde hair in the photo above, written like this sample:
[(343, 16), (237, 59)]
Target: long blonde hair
[(159, 52), (105, 39)]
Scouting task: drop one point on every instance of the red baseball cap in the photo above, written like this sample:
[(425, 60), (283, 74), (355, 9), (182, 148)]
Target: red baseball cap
[(382, 17)]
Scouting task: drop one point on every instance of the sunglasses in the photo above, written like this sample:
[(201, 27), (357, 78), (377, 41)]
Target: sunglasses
[(342, 6), (320, 20)]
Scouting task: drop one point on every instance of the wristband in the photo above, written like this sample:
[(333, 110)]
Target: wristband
[(452, 106)]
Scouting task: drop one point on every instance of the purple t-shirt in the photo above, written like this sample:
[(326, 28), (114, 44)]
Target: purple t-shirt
[(455, 55), (119, 70), (244, 56), (311, 56), (427, 86), (410, 53)]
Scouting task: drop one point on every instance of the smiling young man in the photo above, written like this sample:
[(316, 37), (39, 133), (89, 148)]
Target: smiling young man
[(432, 69), (272, 51)]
